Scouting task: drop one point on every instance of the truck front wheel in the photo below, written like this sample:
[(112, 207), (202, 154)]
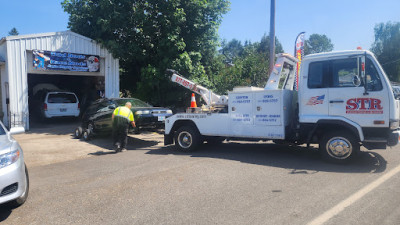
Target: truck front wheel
[(187, 138), (339, 146)]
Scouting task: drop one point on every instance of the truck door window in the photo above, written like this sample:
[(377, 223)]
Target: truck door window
[(317, 74), (343, 72), (374, 82)]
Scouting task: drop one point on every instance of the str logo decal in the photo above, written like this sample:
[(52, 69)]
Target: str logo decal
[(364, 106)]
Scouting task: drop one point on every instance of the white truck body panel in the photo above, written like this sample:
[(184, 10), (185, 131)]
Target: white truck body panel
[(256, 114)]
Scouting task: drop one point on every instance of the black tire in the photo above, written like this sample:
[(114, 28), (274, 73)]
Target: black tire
[(339, 147), (90, 127), (21, 200), (78, 132), (136, 130), (86, 135), (187, 139)]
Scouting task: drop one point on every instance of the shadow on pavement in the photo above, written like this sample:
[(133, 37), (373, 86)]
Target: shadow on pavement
[(297, 159), (54, 126), (106, 142), (5, 212)]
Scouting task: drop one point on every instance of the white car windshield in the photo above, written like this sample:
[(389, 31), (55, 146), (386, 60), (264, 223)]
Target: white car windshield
[(61, 98)]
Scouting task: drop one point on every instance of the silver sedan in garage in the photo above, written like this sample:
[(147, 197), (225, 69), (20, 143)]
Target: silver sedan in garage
[(14, 179)]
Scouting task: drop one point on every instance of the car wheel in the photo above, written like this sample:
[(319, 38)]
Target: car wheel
[(22, 199), (78, 132), (90, 127), (339, 147), (136, 130), (86, 135), (187, 138)]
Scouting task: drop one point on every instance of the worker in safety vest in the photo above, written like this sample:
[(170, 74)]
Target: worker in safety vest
[(121, 118)]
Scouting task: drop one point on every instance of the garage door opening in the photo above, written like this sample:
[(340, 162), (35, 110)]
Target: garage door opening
[(86, 88)]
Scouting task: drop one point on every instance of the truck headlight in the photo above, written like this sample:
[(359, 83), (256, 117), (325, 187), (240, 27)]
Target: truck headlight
[(169, 111), (9, 158), (140, 112)]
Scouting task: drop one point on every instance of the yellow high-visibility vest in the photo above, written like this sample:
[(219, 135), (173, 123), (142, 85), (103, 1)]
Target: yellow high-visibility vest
[(124, 112)]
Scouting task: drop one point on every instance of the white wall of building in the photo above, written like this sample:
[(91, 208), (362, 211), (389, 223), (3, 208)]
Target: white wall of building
[(14, 50)]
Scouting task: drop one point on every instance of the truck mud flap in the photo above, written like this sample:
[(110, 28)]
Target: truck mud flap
[(168, 139)]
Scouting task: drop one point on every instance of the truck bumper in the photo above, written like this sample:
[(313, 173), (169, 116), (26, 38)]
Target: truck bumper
[(168, 139), (391, 139)]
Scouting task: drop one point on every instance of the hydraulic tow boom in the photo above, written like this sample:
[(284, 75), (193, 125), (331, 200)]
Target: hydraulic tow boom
[(208, 96)]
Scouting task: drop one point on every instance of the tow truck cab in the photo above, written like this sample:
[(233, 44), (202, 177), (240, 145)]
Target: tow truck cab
[(348, 91)]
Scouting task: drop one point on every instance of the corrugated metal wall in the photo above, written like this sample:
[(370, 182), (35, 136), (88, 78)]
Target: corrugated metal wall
[(67, 41)]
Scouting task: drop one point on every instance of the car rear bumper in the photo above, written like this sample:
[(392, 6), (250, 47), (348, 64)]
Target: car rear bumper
[(12, 181), (151, 121), (49, 114)]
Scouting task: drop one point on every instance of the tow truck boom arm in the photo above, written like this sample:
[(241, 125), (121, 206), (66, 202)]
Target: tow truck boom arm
[(208, 96)]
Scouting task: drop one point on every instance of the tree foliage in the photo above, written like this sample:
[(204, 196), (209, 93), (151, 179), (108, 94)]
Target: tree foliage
[(13, 32), (317, 43), (149, 36), (387, 48), (243, 65)]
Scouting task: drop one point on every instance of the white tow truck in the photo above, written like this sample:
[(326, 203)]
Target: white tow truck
[(344, 101)]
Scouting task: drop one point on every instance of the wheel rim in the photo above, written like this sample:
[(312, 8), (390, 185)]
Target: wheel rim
[(77, 133), (339, 148), (90, 127), (85, 135), (185, 139)]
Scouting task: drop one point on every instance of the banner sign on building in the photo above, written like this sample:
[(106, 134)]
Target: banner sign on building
[(299, 52), (47, 60)]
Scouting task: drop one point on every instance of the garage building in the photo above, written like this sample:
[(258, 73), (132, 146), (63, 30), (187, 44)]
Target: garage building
[(65, 60)]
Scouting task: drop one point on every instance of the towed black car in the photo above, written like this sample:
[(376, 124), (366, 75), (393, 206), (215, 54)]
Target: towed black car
[(97, 117)]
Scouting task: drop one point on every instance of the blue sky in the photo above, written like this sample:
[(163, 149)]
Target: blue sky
[(349, 23)]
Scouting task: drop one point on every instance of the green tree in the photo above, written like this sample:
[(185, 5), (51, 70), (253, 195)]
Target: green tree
[(231, 49), (387, 48), (317, 43), (13, 32), (248, 67), (149, 36)]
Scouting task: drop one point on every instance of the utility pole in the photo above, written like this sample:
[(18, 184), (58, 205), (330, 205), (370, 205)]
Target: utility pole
[(272, 38)]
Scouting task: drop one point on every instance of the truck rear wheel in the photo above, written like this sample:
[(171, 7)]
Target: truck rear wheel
[(187, 138), (339, 146)]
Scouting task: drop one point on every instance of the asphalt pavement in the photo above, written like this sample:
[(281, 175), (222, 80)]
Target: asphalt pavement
[(231, 183)]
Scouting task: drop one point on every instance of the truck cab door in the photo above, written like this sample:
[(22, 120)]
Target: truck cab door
[(313, 93), (348, 97)]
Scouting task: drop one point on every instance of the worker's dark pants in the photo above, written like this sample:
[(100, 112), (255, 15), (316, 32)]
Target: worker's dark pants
[(120, 135)]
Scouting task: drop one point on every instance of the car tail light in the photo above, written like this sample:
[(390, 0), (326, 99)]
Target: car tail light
[(79, 105), (45, 107)]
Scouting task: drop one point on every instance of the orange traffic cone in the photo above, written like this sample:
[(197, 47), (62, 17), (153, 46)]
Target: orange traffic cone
[(193, 102)]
